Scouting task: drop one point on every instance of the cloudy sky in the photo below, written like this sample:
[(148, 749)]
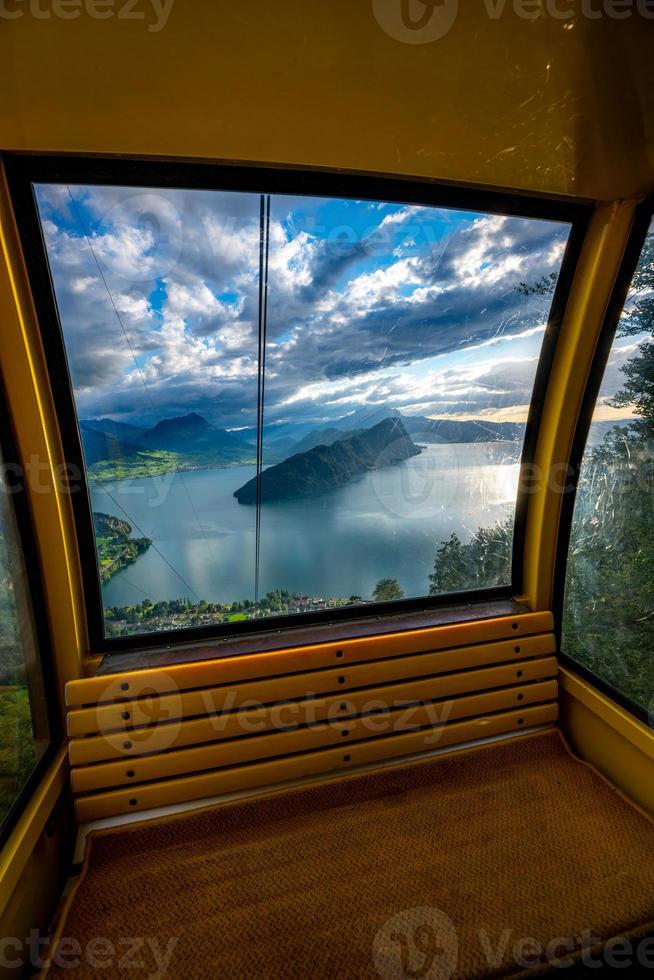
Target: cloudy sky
[(369, 304)]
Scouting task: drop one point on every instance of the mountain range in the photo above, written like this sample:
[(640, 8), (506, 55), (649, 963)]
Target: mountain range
[(193, 434), (323, 468), (118, 449), (419, 427), (323, 437), (187, 441)]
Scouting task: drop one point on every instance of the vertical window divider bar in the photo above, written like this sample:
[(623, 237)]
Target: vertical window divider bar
[(26, 173), (264, 251)]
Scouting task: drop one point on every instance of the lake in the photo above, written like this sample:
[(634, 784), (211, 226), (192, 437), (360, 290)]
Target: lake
[(387, 524)]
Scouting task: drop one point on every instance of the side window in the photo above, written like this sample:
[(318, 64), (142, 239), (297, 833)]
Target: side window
[(25, 734), (608, 622)]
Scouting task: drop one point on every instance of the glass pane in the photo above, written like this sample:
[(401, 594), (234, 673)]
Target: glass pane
[(404, 341), (24, 730), (402, 345), (609, 601), (157, 292)]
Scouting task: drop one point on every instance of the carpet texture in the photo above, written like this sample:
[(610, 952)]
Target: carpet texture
[(466, 866)]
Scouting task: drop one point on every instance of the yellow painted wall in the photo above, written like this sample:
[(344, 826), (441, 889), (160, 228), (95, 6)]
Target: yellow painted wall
[(25, 379), (554, 103), (620, 746)]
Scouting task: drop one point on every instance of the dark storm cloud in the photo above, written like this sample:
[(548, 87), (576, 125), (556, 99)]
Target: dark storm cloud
[(331, 258), (458, 312), (338, 310)]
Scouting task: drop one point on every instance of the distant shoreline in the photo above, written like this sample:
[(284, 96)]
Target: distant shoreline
[(425, 446)]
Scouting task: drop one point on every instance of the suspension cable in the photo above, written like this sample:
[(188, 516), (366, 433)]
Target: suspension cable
[(264, 251)]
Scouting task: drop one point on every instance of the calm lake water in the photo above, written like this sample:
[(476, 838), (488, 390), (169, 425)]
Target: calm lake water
[(387, 524)]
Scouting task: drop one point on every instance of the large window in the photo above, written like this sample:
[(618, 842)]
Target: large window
[(25, 735), (296, 404), (608, 623)]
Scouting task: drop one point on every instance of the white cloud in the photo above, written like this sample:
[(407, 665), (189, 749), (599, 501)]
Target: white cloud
[(346, 325)]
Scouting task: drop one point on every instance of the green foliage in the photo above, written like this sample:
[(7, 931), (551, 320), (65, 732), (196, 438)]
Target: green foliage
[(17, 746), (13, 616), (609, 609), (543, 286), (482, 562), (451, 567), (148, 616), (155, 462), (639, 313), (638, 389), (158, 462), (116, 548), (386, 590)]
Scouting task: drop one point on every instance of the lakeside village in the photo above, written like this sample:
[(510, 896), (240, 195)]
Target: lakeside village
[(117, 550), (173, 614)]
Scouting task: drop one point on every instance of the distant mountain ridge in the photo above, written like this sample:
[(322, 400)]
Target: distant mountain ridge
[(193, 434), (419, 427), (100, 445), (183, 442), (323, 437), (466, 430), (121, 430), (324, 468), (117, 450)]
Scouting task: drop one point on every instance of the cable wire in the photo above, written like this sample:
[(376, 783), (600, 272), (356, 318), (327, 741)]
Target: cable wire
[(131, 520), (134, 358), (264, 251)]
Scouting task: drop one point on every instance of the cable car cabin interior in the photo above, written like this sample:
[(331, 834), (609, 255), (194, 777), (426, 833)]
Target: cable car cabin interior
[(326, 524)]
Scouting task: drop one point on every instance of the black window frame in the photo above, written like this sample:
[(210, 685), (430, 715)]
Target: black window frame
[(643, 216), (36, 598), (25, 170)]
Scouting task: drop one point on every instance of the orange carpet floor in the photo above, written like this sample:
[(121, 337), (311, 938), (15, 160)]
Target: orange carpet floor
[(481, 864)]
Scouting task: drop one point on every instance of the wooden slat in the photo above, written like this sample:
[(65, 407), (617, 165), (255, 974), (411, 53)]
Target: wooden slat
[(121, 717), (343, 731), (101, 748), (262, 774), (232, 670), (266, 641)]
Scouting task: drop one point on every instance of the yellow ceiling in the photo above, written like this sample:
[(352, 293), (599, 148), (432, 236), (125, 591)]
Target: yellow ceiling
[(549, 104)]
